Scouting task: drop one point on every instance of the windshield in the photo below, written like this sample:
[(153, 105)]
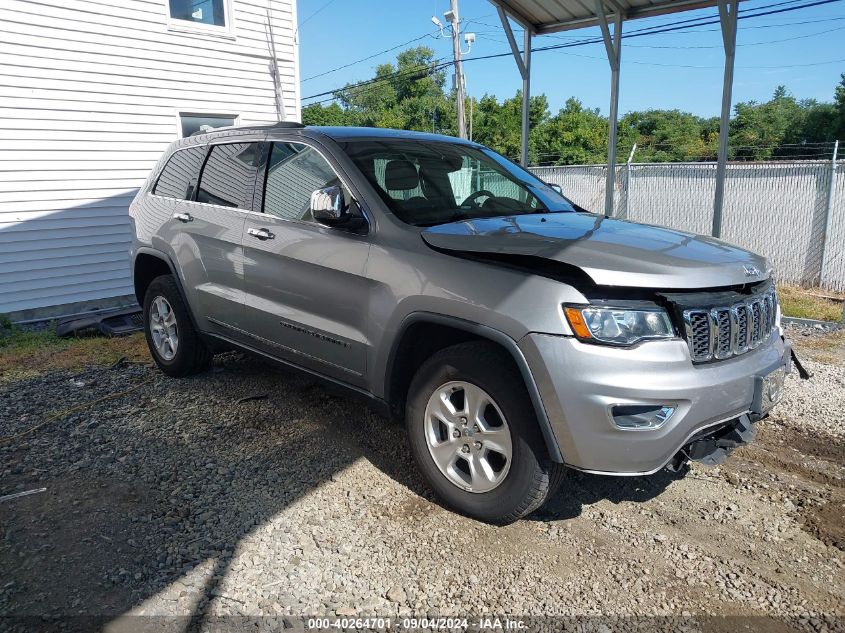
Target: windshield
[(433, 182)]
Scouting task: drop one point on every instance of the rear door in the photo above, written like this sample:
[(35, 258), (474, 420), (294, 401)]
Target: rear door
[(205, 233), (305, 291)]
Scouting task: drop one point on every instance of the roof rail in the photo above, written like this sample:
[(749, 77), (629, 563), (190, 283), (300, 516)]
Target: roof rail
[(281, 125)]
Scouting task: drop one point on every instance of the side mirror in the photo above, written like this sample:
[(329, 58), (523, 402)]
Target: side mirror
[(556, 187), (329, 207)]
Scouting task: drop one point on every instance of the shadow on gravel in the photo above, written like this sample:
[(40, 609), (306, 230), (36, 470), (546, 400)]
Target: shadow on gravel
[(580, 489), (143, 488)]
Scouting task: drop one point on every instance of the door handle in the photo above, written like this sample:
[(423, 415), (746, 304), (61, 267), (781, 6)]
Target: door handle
[(183, 217), (261, 234)]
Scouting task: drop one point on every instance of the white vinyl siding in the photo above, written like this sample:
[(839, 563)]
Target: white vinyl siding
[(90, 96)]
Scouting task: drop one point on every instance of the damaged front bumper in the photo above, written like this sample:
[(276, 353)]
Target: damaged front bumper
[(712, 446), (633, 411)]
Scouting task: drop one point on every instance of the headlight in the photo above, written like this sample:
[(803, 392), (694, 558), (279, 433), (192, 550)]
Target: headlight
[(619, 326)]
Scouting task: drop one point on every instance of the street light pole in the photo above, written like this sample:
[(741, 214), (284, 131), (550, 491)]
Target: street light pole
[(454, 18)]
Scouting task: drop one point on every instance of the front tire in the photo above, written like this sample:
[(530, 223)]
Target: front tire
[(474, 435), (175, 345)]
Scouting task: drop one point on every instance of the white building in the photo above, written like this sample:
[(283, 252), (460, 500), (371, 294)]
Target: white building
[(91, 93)]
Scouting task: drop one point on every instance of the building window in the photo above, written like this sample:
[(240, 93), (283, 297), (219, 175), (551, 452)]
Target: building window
[(200, 12), (192, 123)]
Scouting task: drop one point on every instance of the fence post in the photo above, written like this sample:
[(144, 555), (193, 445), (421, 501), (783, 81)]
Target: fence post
[(828, 213), (624, 215)]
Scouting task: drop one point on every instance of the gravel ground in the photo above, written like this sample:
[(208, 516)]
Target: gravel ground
[(252, 491)]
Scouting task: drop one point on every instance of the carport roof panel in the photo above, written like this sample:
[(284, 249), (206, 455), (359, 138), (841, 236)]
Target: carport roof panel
[(551, 16)]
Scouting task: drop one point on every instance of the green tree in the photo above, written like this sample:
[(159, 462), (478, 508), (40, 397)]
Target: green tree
[(670, 136), (575, 135), (499, 125), (839, 104), (333, 114), (759, 129), (408, 95), (411, 94)]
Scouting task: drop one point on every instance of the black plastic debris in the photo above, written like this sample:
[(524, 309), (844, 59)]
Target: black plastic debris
[(113, 323), (802, 372)]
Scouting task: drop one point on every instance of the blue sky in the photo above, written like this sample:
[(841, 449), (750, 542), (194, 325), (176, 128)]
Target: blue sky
[(671, 70)]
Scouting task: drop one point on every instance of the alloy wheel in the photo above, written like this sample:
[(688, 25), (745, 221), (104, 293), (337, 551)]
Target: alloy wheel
[(468, 436), (163, 328)]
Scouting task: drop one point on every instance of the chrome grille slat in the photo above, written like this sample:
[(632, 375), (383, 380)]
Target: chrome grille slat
[(722, 321), (697, 324), (727, 331), (755, 324)]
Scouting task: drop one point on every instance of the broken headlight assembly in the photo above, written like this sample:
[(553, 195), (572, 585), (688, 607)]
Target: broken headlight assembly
[(618, 325)]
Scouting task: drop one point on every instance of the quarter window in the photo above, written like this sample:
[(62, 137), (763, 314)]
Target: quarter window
[(294, 172), (207, 12), (179, 173), (228, 178)]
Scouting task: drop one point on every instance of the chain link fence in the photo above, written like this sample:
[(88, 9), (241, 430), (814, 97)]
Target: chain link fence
[(783, 210)]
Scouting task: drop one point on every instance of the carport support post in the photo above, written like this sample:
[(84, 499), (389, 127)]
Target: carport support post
[(526, 100), (613, 45), (727, 18), (524, 65)]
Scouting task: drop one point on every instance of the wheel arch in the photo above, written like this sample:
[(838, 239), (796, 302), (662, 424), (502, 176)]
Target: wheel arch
[(148, 264), (422, 334)]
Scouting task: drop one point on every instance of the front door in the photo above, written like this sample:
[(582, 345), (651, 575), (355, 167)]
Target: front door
[(305, 292)]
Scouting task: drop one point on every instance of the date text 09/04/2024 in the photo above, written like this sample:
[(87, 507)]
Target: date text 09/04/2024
[(418, 624)]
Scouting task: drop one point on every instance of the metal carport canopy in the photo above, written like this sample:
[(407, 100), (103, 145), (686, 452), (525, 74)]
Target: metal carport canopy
[(541, 17)]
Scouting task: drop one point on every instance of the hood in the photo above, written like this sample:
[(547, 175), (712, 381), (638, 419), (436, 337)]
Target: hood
[(612, 252)]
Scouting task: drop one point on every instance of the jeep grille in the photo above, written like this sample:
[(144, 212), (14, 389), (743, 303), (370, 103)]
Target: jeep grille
[(726, 331)]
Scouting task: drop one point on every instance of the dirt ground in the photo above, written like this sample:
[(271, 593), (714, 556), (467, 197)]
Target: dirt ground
[(249, 491)]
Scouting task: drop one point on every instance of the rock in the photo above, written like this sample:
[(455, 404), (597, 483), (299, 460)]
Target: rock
[(396, 594)]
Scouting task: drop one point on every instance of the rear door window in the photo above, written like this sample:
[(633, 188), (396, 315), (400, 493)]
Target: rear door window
[(179, 173), (228, 178)]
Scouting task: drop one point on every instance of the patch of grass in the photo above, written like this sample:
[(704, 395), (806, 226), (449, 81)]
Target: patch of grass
[(829, 349), (806, 304), (25, 353)]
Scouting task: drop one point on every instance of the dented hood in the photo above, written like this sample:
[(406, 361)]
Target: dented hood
[(612, 252)]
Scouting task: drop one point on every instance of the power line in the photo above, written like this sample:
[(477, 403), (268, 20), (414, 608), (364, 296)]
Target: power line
[(364, 59), (369, 57), (438, 64), (658, 30), (500, 40), (766, 43), (325, 6), (700, 67), (655, 30)]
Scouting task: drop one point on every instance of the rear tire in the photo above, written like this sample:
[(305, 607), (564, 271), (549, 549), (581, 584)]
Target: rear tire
[(175, 345), (491, 462)]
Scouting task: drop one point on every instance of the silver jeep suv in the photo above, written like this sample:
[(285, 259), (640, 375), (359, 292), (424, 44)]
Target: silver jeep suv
[(514, 332)]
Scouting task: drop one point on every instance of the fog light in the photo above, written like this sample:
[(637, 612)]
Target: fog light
[(640, 417)]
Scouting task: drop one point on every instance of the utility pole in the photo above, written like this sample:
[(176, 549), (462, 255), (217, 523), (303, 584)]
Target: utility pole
[(454, 18)]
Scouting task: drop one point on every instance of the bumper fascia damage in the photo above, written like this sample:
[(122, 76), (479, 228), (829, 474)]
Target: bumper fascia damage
[(715, 405)]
